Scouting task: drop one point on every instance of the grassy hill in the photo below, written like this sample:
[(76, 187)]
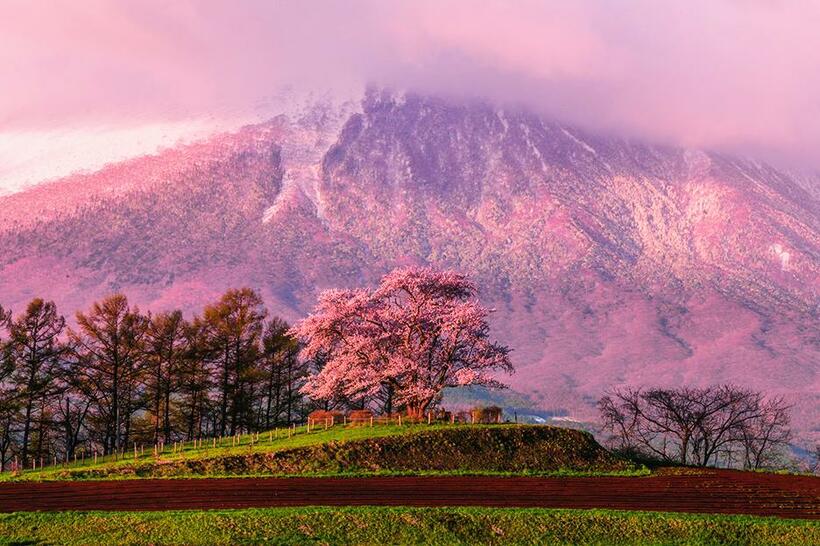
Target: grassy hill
[(408, 449)]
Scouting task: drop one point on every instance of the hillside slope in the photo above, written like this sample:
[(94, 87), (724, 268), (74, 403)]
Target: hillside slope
[(413, 449)]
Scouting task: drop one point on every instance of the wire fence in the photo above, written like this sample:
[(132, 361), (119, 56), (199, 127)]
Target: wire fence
[(85, 457)]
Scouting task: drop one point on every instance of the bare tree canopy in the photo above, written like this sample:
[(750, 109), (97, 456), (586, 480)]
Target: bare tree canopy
[(719, 425)]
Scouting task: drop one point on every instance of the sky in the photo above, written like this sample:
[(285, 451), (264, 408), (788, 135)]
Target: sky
[(93, 81)]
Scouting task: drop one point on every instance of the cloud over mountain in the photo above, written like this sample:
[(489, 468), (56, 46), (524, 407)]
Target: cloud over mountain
[(729, 75)]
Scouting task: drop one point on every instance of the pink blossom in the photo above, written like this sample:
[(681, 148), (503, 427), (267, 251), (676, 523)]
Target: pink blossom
[(418, 332)]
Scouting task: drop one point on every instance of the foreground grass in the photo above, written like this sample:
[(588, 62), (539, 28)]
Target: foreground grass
[(388, 525), (420, 449)]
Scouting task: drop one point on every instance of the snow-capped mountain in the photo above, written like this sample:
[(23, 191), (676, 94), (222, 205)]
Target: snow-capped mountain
[(608, 261)]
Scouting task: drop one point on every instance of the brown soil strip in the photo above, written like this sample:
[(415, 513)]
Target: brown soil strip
[(726, 492)]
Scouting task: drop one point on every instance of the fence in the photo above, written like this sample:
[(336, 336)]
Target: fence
[(86, 458)]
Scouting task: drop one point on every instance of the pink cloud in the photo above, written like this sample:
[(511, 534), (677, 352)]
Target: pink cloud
[(726, 74)]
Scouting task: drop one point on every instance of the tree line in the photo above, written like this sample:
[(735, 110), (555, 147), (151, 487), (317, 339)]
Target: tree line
[(120, 376)]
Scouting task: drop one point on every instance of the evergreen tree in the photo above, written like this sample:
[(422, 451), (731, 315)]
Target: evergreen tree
[(283, 373), (109, 348), (35, 351), (231, 330), (167, 347)]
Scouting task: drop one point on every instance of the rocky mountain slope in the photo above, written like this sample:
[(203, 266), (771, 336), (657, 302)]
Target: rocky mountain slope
[(608, 261)]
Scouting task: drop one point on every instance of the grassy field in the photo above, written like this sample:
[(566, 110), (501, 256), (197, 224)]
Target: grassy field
[(384, 449), (269, 441), (381, 525)]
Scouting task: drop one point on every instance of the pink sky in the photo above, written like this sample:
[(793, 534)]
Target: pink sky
[(737, 75)]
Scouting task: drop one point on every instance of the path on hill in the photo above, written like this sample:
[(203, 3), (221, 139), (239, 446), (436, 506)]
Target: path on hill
[(728, 492)]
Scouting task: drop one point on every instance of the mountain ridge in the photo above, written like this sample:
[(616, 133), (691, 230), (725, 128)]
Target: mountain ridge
[(609, 261)]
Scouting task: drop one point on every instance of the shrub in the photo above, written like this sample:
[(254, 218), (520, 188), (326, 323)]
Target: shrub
[(322, 417), (359, 417), (490, 414)]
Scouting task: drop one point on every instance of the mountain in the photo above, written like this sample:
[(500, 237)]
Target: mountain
[(608, 261)]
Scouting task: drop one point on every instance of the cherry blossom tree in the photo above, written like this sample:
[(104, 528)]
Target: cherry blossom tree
[(418, 332)]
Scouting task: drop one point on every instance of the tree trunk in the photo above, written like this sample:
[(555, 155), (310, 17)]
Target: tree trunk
[(26, 431), (115, 402), (157, 401), (223, 410), (167, 414)]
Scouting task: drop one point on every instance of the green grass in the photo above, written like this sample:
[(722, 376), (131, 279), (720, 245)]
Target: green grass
[(269, 441), (418, 449), (399, 525)]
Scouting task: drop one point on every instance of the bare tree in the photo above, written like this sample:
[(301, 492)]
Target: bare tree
[(696, 425), (762, 436), (815, 465), (71, 411)]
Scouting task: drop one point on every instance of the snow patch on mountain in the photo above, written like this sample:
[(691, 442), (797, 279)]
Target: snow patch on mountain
[(579, 142)]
